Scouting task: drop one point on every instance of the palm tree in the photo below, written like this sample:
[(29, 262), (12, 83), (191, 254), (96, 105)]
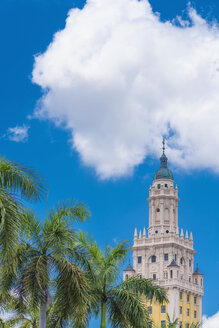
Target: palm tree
[(195, 325), (17, 183), (121, 303), (172, 324), (47, 261)]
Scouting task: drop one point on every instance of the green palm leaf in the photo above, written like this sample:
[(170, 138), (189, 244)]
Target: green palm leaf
[(17, 178)]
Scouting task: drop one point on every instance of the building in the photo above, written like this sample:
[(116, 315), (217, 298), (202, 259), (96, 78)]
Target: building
[(166, 256)]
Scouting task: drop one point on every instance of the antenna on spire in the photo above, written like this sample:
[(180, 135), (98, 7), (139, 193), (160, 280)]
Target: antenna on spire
[(163, 142)]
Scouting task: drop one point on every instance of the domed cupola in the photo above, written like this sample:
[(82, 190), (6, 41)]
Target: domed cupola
[(163, 172)]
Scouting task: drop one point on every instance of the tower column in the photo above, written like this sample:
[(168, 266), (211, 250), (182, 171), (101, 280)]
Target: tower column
[(162, 214), (171, 215), (153, 214)]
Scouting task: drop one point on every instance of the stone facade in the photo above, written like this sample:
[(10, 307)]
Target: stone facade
[(167, 257)]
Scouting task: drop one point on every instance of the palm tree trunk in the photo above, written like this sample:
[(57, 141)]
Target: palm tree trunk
[(103, 315), (42, 323)]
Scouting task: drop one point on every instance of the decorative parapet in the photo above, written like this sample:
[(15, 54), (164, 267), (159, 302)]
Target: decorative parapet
[(182, 285), (161, 238)]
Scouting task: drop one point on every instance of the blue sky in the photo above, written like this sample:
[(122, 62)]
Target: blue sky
[(117, 201)]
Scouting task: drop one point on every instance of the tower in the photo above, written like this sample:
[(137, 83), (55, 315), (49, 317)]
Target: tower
[(167, 257)]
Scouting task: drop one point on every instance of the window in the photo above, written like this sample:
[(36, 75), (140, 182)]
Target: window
[(175, 257), (164, 293), (171, 274), (165, 257), (196, 281), (181, 260), (163, 308), (190, 263), (140, 276), (150, 309), (139, 259), (154, 276), (180, 324), (166, 185), (187, 312), (195, 314), (153, 259), (187, 298), (180, 295), (156, 231), (149, 297), (180, 310), (189, 279), (195, 300), (167, 231), (126, 276), (158, 210), (158, 186), (150, 325), (165, 275), (187, 325), (163, 323)]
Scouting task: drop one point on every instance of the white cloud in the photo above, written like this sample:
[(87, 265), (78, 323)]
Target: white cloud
[(18, 133), (211, 322), (118, 78)]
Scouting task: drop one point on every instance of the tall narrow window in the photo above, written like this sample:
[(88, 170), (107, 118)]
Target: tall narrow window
[(180, 295), (163, 308), (154, 276), (153, 259), (190, 263), (158, 186), (195, 300), (188, 298), (181, 260), (149, 309), (163, 323), (171, 274), (165, 257), (187, 312), (195, 314), (180, 310), (139, 259)]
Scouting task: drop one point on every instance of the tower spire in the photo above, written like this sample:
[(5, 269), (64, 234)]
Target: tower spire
[(163, 142)]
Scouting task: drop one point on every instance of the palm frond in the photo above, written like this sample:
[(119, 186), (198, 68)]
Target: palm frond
[(69, 209), (10, 221), (127, 307), (72, 292), (34, 280), (31, 228), (20, 179), (143, 286)]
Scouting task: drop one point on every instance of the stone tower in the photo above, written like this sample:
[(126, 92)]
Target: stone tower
[(166, 256)]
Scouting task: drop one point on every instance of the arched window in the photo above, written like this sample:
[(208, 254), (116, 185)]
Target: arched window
[(153, 259), (171, 274), (181, 260)]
